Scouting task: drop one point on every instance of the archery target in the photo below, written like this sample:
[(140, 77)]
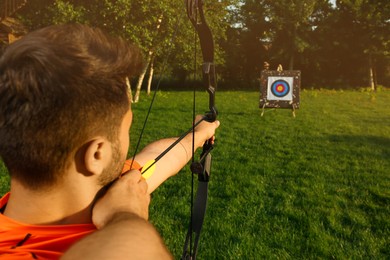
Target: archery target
[(280, 88)]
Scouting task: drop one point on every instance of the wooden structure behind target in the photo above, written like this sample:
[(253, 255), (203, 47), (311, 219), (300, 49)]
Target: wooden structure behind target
[(280, 89)]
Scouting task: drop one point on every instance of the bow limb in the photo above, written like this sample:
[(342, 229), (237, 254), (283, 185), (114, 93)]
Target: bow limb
[(203, 167), (196, 15)]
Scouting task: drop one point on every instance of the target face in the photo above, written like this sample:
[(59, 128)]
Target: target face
[(280, 88)]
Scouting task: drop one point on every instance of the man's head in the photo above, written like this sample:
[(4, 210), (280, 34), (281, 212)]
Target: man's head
[(60, 87)]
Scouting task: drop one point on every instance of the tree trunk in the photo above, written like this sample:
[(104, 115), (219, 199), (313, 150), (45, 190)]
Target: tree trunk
[(141, 78), (293, 48), (371, 73), (291, 62), (151, 70), (129, 93), (148, 62)]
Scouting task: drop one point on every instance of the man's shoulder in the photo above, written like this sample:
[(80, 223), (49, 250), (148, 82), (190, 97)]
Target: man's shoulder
[(44, 242), (24, 241)]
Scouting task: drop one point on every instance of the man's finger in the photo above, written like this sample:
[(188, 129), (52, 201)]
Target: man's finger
[(132, 176)]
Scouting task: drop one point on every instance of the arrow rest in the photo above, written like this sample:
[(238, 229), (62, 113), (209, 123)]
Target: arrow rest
[(196, 168), (203, 167)]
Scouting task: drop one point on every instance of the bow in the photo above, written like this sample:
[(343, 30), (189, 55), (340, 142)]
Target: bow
[(201, 168)]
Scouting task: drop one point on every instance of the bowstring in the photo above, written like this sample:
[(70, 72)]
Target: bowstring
[(162, 74), (193, 130)]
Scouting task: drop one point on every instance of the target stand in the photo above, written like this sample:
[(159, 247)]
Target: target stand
[(280, 89)]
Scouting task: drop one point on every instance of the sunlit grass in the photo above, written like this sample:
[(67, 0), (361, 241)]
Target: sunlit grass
[(313, 186)]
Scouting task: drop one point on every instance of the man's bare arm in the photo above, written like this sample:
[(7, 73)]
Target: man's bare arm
[(176, 158), (125, 236)]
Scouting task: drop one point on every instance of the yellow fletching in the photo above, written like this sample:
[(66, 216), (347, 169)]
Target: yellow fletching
[(149, 172)]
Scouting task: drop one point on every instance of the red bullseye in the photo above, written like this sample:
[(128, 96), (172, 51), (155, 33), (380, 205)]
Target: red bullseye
[(280, 88)]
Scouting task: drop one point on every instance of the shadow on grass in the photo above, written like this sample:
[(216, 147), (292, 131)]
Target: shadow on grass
[(381, 144)]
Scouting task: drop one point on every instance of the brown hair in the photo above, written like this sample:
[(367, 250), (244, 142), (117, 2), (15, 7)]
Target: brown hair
[(59, 86)]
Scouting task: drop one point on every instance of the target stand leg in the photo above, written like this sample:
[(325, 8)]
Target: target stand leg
[(263, 110), (293, 110)]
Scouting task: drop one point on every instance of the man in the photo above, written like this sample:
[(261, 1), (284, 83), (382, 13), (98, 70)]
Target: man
[(64, 136)]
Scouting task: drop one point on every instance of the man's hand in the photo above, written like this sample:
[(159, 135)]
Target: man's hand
[(127, 194), (124, 232), (205, 131)]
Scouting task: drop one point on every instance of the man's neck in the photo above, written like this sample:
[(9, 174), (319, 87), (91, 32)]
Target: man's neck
[(59, 205)]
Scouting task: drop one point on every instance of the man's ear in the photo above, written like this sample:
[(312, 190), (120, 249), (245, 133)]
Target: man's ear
[(97, 155)]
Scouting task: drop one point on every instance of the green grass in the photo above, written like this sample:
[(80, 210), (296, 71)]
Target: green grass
[(314, 186)]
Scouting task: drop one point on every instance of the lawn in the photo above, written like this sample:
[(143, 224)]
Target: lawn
[(313, 186)]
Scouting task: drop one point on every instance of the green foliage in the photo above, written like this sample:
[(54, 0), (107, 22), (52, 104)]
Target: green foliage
[(314, 186), (289, 24), (370, 19), (158, 26), (332, 45), (4, 179), (66, 12)]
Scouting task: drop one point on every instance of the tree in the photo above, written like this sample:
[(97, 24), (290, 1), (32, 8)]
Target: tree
[(272, 31), (246, 44), (41, 13), (370, 20), (290, 21)]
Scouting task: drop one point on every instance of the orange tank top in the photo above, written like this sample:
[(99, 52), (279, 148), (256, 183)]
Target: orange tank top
[(24, 241)]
